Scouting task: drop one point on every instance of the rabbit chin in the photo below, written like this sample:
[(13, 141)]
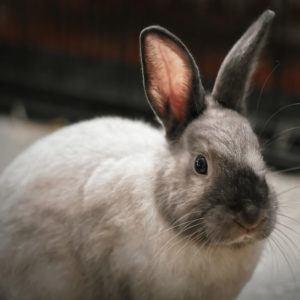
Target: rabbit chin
[(242, 240), (237, 242)]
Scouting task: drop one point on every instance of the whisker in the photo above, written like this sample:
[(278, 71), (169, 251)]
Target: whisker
[(288, 190), (277, 136), (278, 245), (191, 238), (288, 217), (164, 248), (188, 240), (289, 244), (177, 225), (288, 203), (181, 248), (275, 114), (168, 243), (274, 261), (288, 227), (284, 170), (264, 84), (288, 239)]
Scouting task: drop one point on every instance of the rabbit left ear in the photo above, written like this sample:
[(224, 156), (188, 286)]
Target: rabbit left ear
[(235, 72), (171, 80)]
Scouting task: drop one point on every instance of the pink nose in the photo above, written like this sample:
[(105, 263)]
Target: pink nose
[(249, 218)]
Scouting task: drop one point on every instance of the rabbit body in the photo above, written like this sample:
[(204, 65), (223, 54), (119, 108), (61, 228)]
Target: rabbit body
[(79, 217), (115, 209)]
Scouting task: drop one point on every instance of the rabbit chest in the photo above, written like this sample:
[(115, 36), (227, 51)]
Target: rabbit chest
[(139, 252)]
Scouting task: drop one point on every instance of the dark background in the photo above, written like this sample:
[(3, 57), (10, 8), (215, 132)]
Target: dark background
[(69, 60)]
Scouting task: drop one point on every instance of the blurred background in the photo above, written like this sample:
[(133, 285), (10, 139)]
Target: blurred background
[(63, 61), (66, 60)]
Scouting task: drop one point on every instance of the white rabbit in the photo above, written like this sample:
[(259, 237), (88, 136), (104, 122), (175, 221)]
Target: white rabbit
[(115, 209)]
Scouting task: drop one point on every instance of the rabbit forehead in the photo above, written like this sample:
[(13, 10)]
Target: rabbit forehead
[(223, 133)]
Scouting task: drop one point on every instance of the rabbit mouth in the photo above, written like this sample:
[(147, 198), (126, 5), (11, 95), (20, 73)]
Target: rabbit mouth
[(234, 233), (232, 238), (227, 230)]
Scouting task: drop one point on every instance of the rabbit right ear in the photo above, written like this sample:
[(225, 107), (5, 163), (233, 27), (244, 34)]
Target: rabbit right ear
[(235, 72), (171, 80)]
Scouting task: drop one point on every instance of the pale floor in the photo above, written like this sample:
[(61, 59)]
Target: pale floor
[(277, 276)]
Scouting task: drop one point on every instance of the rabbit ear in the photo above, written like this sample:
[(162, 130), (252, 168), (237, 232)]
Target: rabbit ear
[(171, 80), (235, 72)]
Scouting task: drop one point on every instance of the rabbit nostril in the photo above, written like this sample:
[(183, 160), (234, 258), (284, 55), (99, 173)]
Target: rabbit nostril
[(249, 218), (245, 225)]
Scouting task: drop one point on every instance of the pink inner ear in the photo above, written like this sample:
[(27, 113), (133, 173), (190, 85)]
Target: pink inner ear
[(168, 73)]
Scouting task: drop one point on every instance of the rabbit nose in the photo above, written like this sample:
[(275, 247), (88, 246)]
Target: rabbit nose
[(249, 218)]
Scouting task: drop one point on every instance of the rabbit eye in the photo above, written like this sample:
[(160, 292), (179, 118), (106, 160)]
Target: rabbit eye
[(201, 165)]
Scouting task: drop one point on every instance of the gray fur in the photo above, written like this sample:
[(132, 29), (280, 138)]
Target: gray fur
[(235, 72), (112, 209), (233, 188)]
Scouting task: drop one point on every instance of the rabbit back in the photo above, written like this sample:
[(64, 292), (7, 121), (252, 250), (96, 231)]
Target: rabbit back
[(47, 197)]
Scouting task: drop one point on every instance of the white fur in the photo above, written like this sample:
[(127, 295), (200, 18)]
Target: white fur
[(91, 167), (86, 212)]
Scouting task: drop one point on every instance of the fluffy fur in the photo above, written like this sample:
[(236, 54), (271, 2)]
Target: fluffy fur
[(75, 222), (99, 210)]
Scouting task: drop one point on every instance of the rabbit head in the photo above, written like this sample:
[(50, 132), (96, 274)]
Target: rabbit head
[(211, 184)]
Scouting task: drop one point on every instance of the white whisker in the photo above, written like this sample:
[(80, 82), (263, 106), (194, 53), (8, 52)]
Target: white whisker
[(288, 190), (288, 217), (277, 136), (264, 84), (282, 252), (275, 114)]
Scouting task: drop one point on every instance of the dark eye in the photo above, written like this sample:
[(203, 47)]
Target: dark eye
[(201, 165)]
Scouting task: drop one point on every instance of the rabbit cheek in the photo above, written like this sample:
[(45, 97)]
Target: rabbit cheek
[(219, 226)]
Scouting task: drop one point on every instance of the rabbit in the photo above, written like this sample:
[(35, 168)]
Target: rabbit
[(114, 208)]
